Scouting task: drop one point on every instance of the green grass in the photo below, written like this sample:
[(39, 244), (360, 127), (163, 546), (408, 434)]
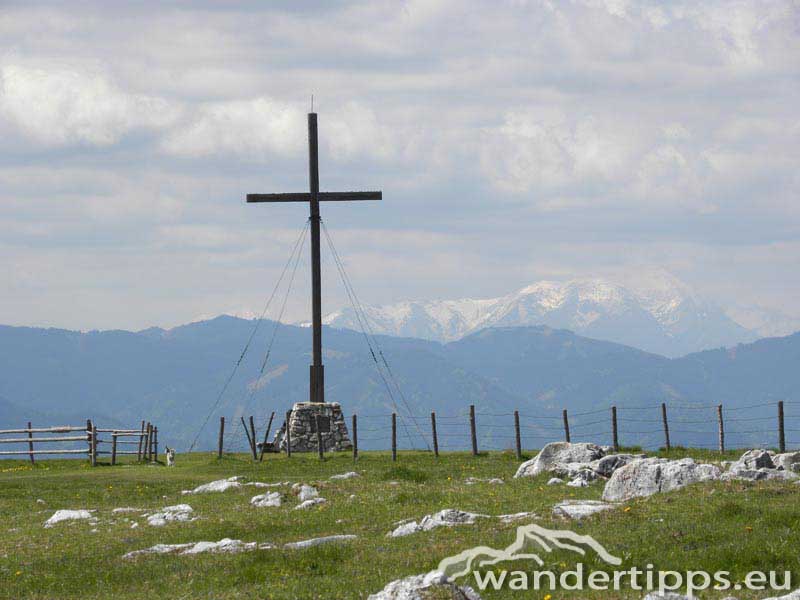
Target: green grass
[(736, 527)]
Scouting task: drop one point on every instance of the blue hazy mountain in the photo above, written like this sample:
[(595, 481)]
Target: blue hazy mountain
[(174, 377)]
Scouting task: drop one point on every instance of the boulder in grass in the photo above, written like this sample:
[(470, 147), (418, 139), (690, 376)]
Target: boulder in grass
[(649, 476), (754, 460), (270, 499), (579, 509), (606, 466), (419, 587), (758, 465), (68, 515), (788, 461), (444, 518), (556, 456)]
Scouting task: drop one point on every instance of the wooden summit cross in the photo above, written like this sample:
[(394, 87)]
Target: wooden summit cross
[(314, 197)]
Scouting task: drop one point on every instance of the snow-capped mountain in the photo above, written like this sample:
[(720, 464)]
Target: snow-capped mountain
[(658, 314)]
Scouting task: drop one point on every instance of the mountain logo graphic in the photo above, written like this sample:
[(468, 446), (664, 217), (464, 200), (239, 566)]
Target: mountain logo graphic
[(528, 538)]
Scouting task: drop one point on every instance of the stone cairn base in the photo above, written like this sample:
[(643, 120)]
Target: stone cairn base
[(302, 425)]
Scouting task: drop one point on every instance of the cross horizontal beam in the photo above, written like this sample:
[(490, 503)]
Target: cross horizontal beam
[(322, 197)]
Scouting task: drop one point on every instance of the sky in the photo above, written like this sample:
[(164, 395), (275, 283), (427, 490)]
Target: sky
[(513, 141)]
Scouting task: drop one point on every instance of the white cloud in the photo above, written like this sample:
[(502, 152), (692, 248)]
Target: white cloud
[(64, 107), (250, 129)]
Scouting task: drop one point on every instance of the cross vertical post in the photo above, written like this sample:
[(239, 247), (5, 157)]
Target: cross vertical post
[(317, 374)]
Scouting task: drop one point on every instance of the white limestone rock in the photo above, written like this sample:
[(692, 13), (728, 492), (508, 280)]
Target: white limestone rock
[(413, 588), (557, 455), (224, 546), (444, 518), (788, 461), (309, 503), (306, 492), (606, 466), (758, 465), (169, 514), (516, 517), (348, 475), (331, 539), (221, 485), (648, 476), (579, 509), (68, 515), (492, 480), (270, 499), (554, 481)]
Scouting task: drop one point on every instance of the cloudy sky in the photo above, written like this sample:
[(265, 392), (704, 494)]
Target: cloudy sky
[(513, 140)]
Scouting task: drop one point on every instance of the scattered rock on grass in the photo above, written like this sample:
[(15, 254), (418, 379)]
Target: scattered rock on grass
[(309, 503), (444, 518), (516, 517), (224, 546), (557, 455), (331, 539), (266, 500), (415, 587), (648, 476), (579, 509), (554, 481), (305, 492), (126, 509), (68, 515), (788, 461), (179, 512), (348, 475), (758, 464), (220, 485), (474, 480)]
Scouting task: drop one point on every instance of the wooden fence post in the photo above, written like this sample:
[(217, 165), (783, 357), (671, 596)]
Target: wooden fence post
[(155, 444), (517, 439), (253, 438), (394, 437), (89, 437), (30, 443), (721, 429), (320, 449), (355, 437), (614, 432), (566, 425), (113, 448), (472, 432), (288, 435), (781, 430), (94, 445), (146, 448), (221, 436), (266, 437), (666, 425), (141, 441), (435, 436), (247, 434)]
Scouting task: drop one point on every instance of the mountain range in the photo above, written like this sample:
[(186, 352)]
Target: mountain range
[(174, 378), (660, 314)]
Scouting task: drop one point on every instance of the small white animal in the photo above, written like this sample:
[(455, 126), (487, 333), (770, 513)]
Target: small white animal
[(170, 453)]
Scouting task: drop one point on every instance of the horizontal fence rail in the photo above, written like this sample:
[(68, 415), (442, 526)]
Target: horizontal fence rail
[(145, 439)]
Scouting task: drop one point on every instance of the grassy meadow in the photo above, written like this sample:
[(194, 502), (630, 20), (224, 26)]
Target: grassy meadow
[(733, 526)]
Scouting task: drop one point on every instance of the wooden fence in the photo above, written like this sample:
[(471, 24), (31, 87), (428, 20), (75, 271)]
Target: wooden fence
[(141, 442), (612, 425)]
